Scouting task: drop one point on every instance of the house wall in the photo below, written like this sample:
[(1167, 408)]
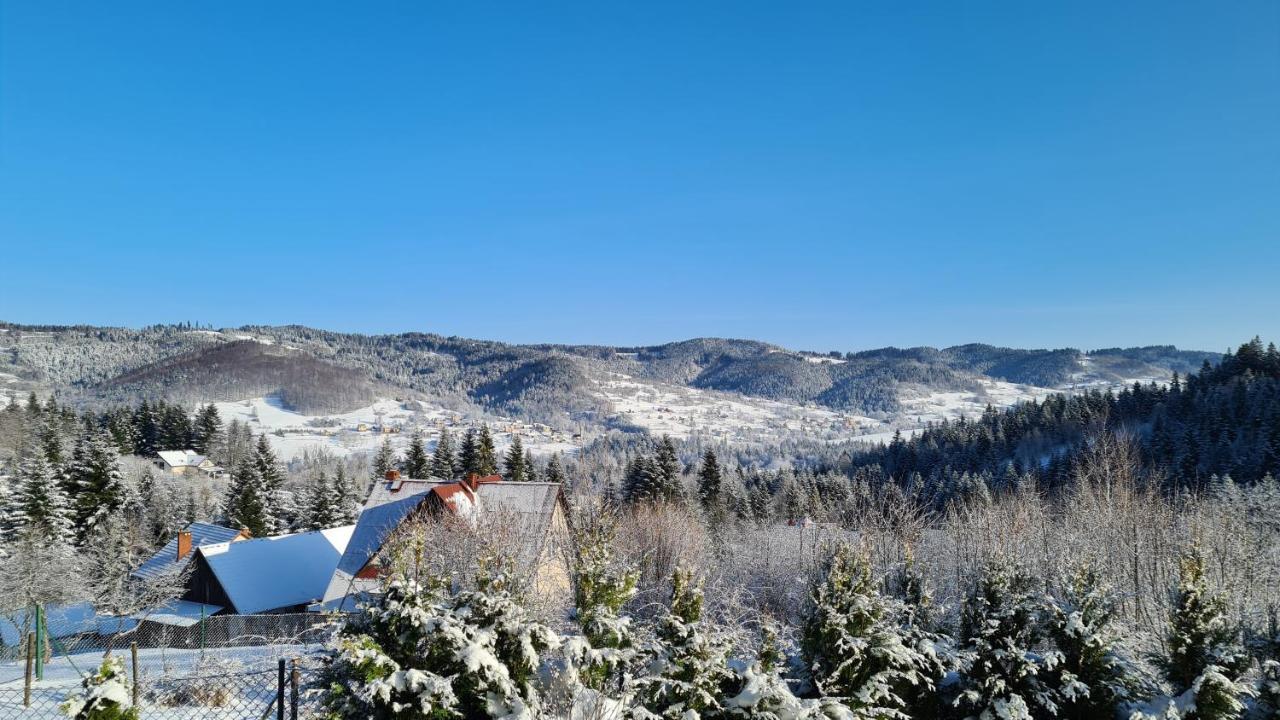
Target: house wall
[(203, 585)]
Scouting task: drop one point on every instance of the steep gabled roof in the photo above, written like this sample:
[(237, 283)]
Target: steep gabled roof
[(166, 561), (181, 458), (391, 502), (271, 573)]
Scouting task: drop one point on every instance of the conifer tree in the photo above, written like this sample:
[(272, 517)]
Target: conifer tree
[(40, 506), (1000, 626), (1269, 672), (1095, 678), (207, 429), (640, 483), (666, 464), (710, 488), (600, 657), (688, 673), (853, 647), (761, 693), (320, 508), (416, 462), (246, 504), (346, 504), (107, 695), (514, 461), (384, 461), (468, 454), (486, 456), (555, 471), (530, 467), (1205, 658), (420, 653), (278, 502), (101, 490), (443, 464)]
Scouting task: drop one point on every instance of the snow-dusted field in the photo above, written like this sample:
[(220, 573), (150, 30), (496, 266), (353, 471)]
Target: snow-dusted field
[(683, 412), (361, 431)]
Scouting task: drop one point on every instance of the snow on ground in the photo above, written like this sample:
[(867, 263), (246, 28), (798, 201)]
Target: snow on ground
[(683, 412), (63, 671), (362, 431)]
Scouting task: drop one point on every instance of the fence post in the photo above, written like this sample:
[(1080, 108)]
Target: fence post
[(294, 677), (26, 683), (280, 693), (133, 650), (40, 640)]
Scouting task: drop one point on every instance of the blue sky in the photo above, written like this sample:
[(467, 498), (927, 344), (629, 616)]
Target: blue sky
[(835, 175)]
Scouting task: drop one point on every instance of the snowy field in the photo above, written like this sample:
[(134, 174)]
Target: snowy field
[(683, 412), (63, 671), (361, 431)]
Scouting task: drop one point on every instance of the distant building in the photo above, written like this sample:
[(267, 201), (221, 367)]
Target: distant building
[(536, 512), (182, 462), (279, 574)]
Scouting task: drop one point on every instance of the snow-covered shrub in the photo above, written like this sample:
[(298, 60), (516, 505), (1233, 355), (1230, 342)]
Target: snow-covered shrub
[(422, 653), (688, 671), (106, 696), (761, 692), (1000, 625), (854, 648)]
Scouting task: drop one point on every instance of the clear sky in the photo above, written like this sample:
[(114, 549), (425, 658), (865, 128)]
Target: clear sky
[(837, 175)]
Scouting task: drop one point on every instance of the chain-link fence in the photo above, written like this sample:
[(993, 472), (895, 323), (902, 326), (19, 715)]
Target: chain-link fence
[(216, 668), (279, 693)]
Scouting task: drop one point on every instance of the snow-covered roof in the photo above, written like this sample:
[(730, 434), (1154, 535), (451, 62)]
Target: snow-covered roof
[(529, 504), (270, 573), (182, 458), (165, 560), (179, 613)]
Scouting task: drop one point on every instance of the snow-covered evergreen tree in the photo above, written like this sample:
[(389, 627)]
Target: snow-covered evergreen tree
[(760, 692), (247, 501), (486, 455), (319, 509), (101, 490), (421, 653), (599, 658), (443, 463), (108, 694), (1269, 671), (384, 461), (39, 506), (1095, 678), (1000, 627), (513, 463), (853, 646), (278, 501), (1205, 661), (688, 672), (416, 464), (555, 470), (346, 503)]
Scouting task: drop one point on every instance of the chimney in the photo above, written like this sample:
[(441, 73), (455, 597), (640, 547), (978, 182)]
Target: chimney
[(393, 475), (184, 543), (473, 481), (246, 532)]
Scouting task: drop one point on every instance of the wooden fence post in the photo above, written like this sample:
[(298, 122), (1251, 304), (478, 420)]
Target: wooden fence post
[(133, 650), (294, 679), (26, 686)]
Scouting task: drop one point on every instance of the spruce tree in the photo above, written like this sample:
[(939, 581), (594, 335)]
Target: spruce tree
[(761, 692), (101, 490), (853, 646), (345, 502), (486, 456), (443, 464), (1269, 672), (468, 455), (1095, 678), (710, 486), (1205, 659), (555, 471), (600, 658), (514, 461), (246, 504), (416, 463), (278, 502), (666, 464), (320, 510), (421, 653), (530, 467), (40, 506), (384, 461), (207, 430), (688, 673), (1000, 626)]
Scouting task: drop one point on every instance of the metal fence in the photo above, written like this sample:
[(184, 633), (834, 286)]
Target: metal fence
[(234, 667), (278, 693)]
